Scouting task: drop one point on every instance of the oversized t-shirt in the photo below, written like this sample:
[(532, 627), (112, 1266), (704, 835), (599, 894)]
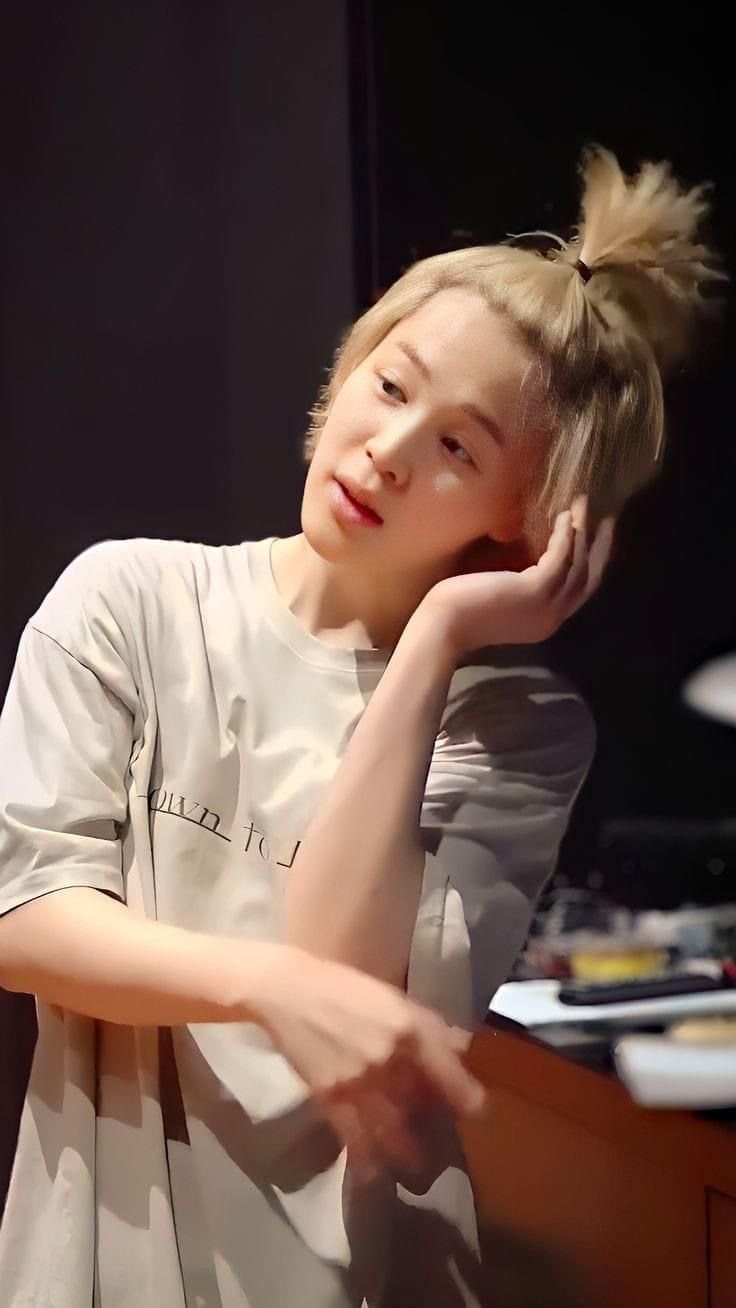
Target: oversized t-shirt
[(169, 731)]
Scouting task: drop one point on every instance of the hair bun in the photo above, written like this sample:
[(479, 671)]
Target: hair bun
[(639, 235)]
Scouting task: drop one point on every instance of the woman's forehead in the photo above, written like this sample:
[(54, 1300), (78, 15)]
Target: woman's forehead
[(468, 354), (457, 329)]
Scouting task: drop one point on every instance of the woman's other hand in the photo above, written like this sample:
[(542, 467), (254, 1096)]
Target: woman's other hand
[(370, 1055), (523, 607)]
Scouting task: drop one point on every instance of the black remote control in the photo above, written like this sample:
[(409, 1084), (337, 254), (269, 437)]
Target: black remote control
[(648, 987)]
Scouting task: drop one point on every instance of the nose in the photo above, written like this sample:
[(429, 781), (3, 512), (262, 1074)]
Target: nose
[(392, 449)]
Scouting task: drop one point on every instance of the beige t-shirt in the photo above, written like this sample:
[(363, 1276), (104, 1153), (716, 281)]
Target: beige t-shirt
[(169, 731)]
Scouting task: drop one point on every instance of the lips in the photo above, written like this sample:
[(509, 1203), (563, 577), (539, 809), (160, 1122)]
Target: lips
[(360, 498)]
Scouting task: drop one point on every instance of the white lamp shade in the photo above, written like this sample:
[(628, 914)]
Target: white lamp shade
[(712, 689)]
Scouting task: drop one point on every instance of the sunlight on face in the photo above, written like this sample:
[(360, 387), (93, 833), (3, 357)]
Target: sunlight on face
[(428, 425)]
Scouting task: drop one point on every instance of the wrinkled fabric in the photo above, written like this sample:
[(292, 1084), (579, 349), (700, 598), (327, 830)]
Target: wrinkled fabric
[(169, 731)]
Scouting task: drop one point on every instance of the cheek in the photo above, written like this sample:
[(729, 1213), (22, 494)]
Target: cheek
[(446, 482), (353, 409)]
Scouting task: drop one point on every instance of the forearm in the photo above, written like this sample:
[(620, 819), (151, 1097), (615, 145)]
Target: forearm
[(87, 952), (355, 884)]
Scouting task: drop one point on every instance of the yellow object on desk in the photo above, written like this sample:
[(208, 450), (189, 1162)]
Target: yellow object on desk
[(719, 1029), (617, 965)]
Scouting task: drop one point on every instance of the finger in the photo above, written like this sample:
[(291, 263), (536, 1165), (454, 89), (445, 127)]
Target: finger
[(461, 1091), (373, 1125), (386, 1121), (575, 583), (554, 565), (557, 545), (579, 512), (598, 556), (460, 1039), (413, 1088), (345, 1119)]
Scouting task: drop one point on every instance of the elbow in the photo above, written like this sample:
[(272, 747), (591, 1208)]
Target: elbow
[(6, 967), (11, 979)]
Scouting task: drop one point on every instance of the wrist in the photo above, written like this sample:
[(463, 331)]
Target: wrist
[(260, 976), (430, 629)]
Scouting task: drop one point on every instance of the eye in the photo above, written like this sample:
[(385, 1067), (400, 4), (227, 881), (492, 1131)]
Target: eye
[(462, 457), (386, 381), (467, 459)]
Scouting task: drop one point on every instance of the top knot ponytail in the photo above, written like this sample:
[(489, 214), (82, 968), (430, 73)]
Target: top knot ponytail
[(639, 236)]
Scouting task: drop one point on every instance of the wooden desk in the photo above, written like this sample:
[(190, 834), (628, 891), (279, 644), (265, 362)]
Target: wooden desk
[(637, 1205)]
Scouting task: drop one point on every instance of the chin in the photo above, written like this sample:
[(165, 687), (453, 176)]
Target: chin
[(321, 532)]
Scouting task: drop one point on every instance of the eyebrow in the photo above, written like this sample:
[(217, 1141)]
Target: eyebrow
[(472, 410)]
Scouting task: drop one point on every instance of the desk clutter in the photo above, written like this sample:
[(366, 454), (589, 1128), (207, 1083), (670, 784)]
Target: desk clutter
[(649, 994)]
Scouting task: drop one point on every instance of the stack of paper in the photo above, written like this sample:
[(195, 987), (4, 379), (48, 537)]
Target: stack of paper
[(658, 1070), (534, 1003), (664, 1073)]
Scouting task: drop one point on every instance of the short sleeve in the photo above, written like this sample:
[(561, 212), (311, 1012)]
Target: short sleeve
[(515, 748), (66, 736)]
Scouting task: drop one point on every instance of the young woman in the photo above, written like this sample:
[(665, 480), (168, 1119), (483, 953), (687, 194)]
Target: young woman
[(311, 774)]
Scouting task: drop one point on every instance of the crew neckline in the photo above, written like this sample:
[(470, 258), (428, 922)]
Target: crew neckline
[(320, 653)]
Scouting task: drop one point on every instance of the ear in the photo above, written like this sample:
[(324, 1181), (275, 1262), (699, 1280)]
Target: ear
[(487, 555)]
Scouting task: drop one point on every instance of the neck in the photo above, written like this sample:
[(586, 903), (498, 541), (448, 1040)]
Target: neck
[(333, 602)]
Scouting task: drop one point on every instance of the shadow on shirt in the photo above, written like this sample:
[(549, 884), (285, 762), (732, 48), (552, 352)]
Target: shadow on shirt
[(425, 1259)]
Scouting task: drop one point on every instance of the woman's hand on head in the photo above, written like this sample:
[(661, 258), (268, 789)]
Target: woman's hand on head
[(529, 605)]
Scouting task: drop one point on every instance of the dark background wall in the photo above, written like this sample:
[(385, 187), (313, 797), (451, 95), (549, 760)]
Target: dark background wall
[(478, 117), (179, 263), (178, 267), (199, 198)]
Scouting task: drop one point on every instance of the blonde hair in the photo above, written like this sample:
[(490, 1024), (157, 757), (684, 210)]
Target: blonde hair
[(601, 346)]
